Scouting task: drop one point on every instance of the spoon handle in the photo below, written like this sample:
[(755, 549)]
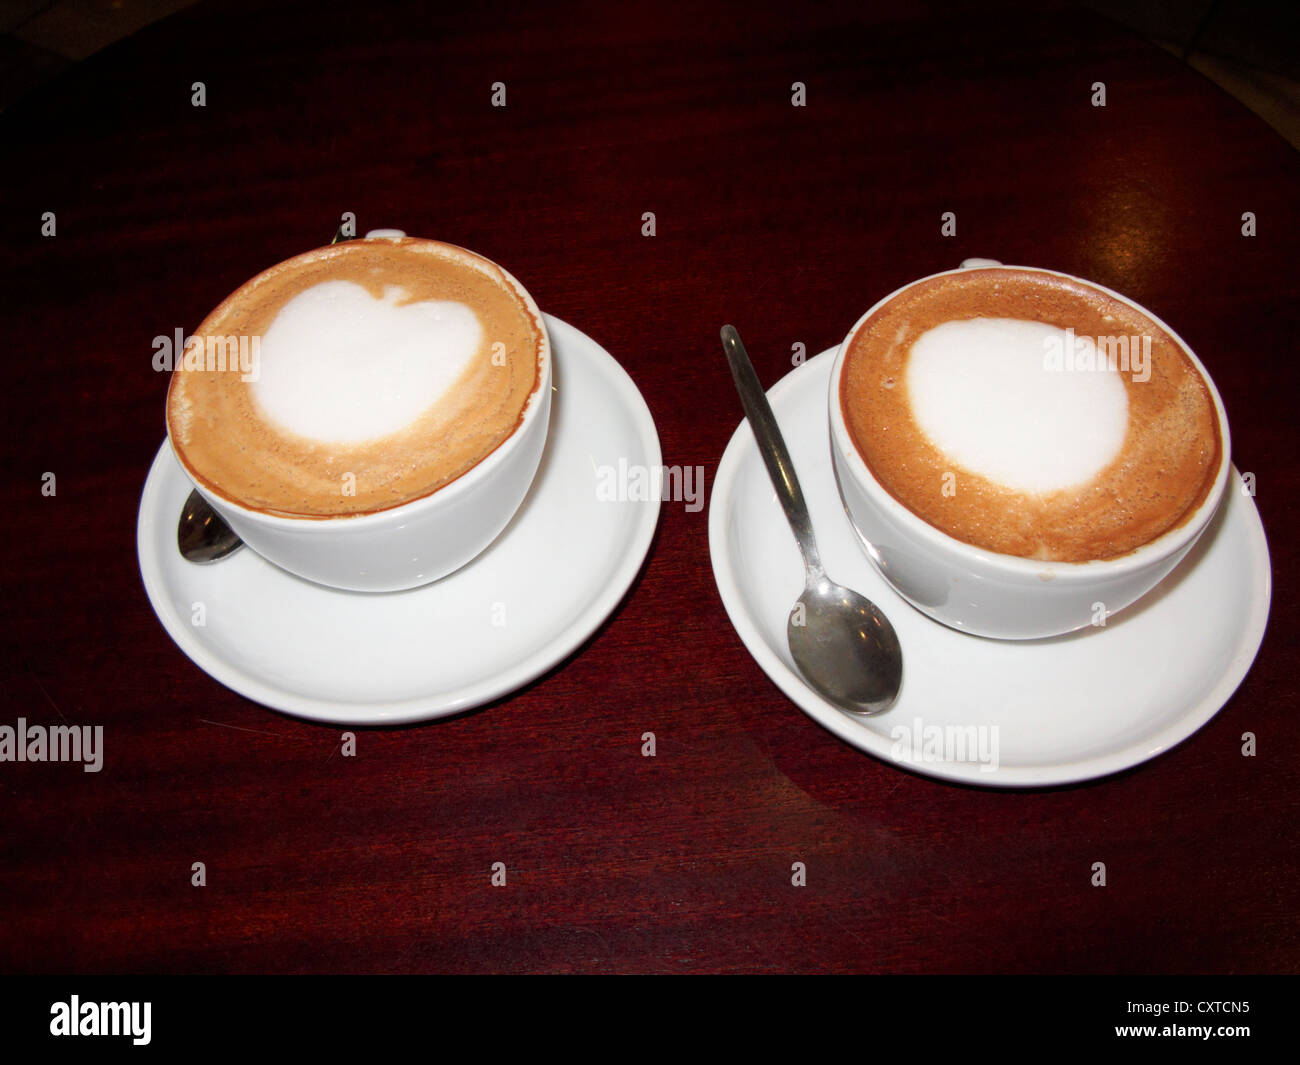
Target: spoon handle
[(771, 445)]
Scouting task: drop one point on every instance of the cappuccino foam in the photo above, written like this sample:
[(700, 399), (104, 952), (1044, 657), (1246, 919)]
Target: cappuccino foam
[(953, 402), (339, 366), (386, 369), (980, 394)]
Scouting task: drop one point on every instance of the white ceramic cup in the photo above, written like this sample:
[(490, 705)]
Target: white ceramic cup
[(990, 594), (419, 541)]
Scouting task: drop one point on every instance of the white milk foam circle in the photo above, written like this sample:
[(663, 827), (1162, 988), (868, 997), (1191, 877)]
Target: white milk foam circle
[(982, 391), (338, 365)]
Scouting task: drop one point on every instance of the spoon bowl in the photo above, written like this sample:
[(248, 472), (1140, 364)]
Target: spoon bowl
[(202, 534), (859, 663)]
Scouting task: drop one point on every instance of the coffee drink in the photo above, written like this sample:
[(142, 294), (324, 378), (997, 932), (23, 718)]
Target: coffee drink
[(371, 373), (1030, 414)]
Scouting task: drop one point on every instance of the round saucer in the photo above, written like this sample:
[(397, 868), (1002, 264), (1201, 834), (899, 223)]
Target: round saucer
[(996, 713), (348, 658)]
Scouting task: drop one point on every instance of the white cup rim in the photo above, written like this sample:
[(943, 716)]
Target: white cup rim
[(444, 494), (1166, 544)]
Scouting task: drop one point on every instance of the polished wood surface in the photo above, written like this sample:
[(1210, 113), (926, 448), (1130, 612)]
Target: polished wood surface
[(788, 221)]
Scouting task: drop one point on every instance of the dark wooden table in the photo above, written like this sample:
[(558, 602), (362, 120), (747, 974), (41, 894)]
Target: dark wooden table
[(788, 221)]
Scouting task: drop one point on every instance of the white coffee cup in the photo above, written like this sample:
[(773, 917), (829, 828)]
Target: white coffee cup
[(419, 541), (984, 592)]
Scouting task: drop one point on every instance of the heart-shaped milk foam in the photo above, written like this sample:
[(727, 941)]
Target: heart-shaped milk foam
[(990, 397), (339, 365)]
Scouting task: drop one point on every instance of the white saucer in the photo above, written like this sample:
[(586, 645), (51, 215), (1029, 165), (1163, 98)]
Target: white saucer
[(1060, 710), (559, 569)]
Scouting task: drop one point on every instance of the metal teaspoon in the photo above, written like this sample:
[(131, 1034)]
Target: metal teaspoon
[(843, 645)]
